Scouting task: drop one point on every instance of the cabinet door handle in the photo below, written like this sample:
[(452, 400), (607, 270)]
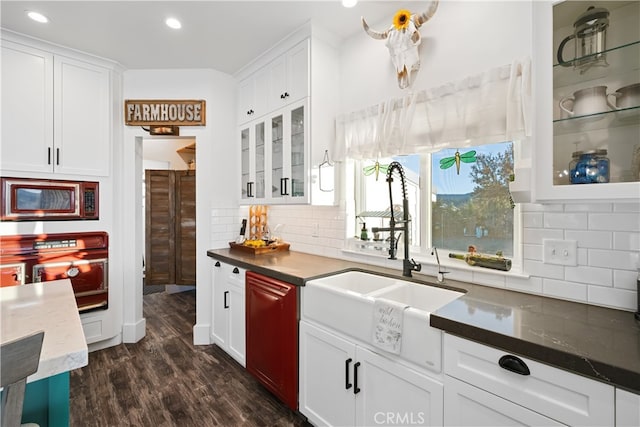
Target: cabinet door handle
[(48, 155), (57, 157), (250, 112), (226, 303), (236, 271), (249, 189), (356, 389), (514, 364), (217, 264), (347, 384), (284, 191), (284, 95)]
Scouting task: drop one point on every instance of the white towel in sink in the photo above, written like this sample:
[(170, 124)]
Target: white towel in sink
[(387, 324)]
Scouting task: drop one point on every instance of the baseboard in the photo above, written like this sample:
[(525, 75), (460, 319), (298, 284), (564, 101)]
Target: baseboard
[(100, 345), (202, 334), (134, 332)]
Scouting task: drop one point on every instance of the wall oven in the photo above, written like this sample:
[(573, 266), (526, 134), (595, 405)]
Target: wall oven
[(81, 257), (28, 199)]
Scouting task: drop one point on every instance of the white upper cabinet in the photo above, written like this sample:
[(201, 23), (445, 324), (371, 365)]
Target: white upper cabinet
[(587, 93), (275, 95), (27, 108), (279, 83), (289, 76), (56, 113), (252, 96), (82, 126)]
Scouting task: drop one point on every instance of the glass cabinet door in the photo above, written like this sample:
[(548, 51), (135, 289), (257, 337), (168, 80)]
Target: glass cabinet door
[(279, 182), (596, 94), (245, 167), (298, 167), (260, 164)]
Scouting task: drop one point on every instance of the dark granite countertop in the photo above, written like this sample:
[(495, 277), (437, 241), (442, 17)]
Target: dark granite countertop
[(596, 342)]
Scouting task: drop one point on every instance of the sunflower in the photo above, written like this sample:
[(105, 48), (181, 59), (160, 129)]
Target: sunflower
[(401, 19)]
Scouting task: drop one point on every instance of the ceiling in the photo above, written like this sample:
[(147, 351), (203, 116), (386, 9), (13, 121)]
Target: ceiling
[(222, 35)]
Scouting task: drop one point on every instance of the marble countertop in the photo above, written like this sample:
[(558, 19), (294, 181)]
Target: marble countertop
[(596, 342), (50, 307)]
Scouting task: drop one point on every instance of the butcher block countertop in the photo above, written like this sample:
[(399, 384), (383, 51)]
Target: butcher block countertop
[(49, 307), (596, 342)]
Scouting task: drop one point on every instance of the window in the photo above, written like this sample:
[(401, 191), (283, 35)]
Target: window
[(456, 198)]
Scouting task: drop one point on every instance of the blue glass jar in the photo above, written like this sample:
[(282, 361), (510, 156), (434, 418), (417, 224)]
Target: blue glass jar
[(589, 167)]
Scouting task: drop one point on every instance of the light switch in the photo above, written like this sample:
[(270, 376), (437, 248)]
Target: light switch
[(560, 252)]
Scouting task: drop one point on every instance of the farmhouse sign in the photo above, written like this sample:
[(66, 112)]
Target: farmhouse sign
[(145, 112)]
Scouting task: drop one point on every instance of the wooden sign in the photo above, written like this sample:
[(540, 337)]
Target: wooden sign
[(145, 112)]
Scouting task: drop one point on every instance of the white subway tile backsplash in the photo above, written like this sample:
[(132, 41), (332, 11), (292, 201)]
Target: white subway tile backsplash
[(589, 275), (590, 239), (532, 252), (564, 290), (540, 269), (608, 236), (534, 207), (619, 298), (588, 207), (626, 207), (620, 260), (492, 280), (529, 285), (615, 222), (626, 241), (532, 219), (625, 279), (536, 235), (570, 221)]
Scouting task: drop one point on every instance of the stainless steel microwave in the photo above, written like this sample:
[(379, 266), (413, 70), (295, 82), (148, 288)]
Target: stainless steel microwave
[(29, 199)]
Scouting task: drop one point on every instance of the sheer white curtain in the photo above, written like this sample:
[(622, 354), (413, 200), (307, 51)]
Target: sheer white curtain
[(490, 107)]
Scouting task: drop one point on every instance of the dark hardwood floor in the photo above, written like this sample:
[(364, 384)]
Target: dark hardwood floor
[(164, 380)]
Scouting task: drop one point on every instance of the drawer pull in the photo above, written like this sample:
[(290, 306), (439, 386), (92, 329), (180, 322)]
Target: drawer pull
[(514, 364)]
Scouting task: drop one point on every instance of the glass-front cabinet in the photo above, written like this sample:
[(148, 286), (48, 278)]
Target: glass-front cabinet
[(275, 157), (587, 97), (252, 159)]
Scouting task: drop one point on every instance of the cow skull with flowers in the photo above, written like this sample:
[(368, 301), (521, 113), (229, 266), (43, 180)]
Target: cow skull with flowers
[(402, 40)]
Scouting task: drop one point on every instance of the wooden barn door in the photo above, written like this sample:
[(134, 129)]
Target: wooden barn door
[(170, 227)]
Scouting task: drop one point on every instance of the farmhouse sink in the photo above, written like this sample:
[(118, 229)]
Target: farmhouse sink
[(344, 302), (358, 282), (419, 297)]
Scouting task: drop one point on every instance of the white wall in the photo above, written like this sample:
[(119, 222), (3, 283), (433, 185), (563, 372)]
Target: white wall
[(462, 39), (216, 167), (165, 149)]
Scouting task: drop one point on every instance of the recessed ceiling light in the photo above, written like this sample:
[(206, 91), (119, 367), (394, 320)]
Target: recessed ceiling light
[(173, 23), (349, 3), (38, 17)]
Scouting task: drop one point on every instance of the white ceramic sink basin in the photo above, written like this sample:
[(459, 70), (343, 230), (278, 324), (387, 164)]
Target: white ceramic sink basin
[(344, 302), (357, 282), (421, 297)]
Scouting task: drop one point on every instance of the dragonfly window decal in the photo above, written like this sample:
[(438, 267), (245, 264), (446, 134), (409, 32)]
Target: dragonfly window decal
[(457, 158), (375, 168)]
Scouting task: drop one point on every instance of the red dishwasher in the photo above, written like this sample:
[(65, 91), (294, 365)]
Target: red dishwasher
[(272, 335)]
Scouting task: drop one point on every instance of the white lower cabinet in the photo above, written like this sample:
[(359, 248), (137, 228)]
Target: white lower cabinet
[(345, 384), (466, 405), (229, 309), (477, 378), (627, 409)]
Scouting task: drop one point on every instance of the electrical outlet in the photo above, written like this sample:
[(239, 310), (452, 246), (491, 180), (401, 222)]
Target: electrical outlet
[(560, 252), (315, 229)]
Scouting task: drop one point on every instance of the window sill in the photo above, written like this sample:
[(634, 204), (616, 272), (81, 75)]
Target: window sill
[(458, 269)]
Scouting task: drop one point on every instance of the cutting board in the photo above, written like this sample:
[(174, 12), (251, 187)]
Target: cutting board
[(273, 247)]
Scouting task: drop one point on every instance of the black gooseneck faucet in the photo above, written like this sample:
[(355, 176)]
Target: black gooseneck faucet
[(408, 265)]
